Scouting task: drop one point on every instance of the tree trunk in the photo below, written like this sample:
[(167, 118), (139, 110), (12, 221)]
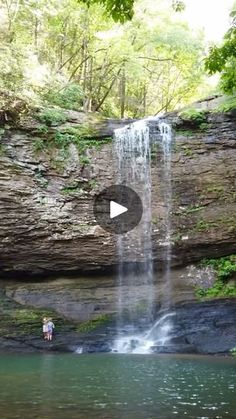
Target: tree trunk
[(122, 91)]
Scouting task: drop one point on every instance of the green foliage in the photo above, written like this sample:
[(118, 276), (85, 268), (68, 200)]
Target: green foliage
[(52, 117), (185, 133), (93, 184), (84, 160), (63, 139), (228, 105), (222, 59), (71, 189), (2, 131), (197, 117), (42, 129), (188, 152), (177, 237), (38, 145), (76, 57), (2, 150), (224, 269), (41, 180), (203, 225), (70, 97), (93, 324), (193, 208), (217, 189), (80, 187), (218, 290), (178, 5), (119, 10), (123, 10), (204, 126)]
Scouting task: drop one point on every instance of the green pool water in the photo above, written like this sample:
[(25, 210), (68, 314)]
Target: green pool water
[(117, 386)]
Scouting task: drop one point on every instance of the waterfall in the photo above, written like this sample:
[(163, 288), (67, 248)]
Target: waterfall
[(136, 291), (166, 142), (133, 155)]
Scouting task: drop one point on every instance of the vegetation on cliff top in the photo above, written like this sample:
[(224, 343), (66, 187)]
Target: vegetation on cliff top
[(73, 55)]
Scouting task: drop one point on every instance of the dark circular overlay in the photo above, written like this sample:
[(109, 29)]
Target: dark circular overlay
[(122, 195)]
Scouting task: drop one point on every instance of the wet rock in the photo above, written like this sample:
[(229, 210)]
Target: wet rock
[(174, 349), (209, 327)]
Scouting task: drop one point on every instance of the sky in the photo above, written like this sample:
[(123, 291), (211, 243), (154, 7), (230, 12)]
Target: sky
[(211, 15)]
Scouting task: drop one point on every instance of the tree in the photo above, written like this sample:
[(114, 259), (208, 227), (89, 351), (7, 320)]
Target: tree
[(123, 10), (65, 53), (119, 10), (223, 59)]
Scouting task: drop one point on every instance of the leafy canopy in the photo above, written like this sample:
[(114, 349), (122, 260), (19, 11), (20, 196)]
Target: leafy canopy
[(64, 53), (119, 10), (123, 10), (222, 59)]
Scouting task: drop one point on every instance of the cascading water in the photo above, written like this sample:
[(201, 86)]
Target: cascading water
[(133, 153), (166, 141), (136, 287)]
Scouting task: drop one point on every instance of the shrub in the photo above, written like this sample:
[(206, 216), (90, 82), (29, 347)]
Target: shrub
[(195, 117), (52, 117), (71, 97), (228, 105), (38, 145), (224, 269)]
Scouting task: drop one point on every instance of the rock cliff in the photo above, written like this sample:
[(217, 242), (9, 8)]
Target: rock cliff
[(48, 184)]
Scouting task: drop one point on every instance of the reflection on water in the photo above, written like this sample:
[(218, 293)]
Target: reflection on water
[(116, 386)]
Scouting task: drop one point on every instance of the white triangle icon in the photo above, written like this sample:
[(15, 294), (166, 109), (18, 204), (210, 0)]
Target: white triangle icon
[(116, 209)]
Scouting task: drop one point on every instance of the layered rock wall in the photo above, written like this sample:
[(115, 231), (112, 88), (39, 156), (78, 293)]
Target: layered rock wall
[(47, 191)]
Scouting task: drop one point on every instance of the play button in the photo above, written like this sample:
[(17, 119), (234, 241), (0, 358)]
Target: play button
[(118, 209)]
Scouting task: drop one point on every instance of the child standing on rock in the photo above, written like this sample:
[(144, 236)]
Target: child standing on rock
[(48, 327), (51, 328)]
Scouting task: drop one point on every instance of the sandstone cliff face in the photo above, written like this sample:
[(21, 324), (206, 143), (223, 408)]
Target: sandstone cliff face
[(46, 197)]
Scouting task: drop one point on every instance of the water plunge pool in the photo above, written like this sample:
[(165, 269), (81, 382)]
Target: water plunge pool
[(113, 386)]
